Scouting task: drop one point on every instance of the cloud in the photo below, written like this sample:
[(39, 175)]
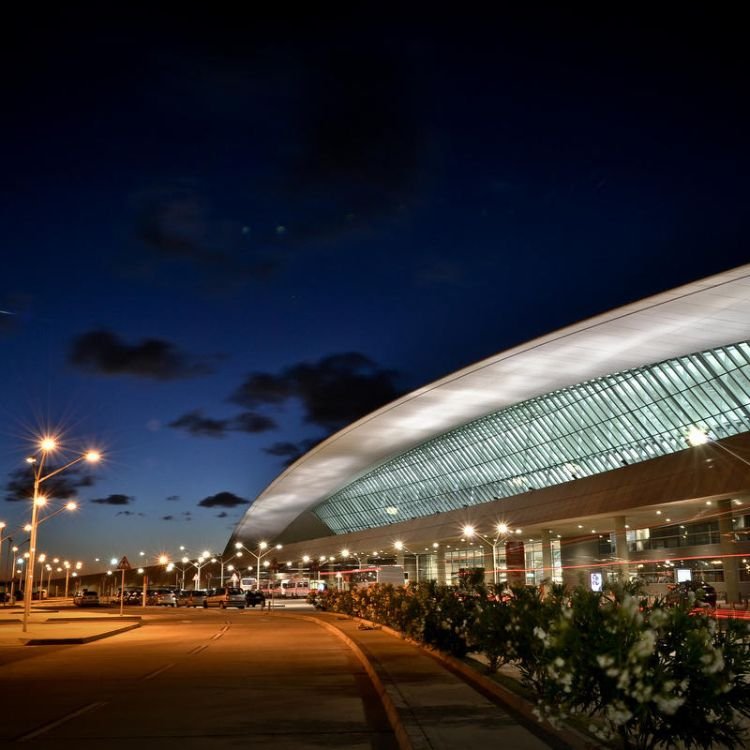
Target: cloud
[(291, 451), (167, 518), (334, 391), (104, 353), (20, 484), (251, 422), (125, 513), (198, 425), (173, 498), (114, 500), (176, 225), (223, 500), (223, 514)]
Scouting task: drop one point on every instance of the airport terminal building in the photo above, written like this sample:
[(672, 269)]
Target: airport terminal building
[(618, 444)]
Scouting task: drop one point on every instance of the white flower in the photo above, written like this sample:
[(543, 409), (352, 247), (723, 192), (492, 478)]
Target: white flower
[(540, 633), (668, 704), (644, 646)]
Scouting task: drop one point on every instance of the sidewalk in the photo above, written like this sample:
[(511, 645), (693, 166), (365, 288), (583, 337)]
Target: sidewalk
[(437, 709), (48, 626)]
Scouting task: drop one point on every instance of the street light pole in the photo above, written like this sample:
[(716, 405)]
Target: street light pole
[(501, 531), (263, 550), (46, 445)]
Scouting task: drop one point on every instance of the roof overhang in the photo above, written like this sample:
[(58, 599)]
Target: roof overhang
[(702, 315)]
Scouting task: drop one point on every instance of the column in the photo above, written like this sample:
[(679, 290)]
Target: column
[(516, 561), (442, 574), (621, 546), (580, 558), (727, 546), (546, 556)]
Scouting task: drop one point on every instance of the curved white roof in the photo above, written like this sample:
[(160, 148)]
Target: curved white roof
[(701, 315)]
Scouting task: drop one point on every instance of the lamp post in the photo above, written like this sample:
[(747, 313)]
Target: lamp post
[(345, 553), (204, 559), (229, 559), (42, 559), (263, 550), (401, 547), (2, 567), (501, 532), (46, 446), (67, 567)]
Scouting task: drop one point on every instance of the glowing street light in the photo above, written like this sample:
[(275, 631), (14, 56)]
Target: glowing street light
[(502, 530), (47, 445), (262, 551)]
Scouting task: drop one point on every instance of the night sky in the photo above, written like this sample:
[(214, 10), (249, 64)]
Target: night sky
[(224, 237)]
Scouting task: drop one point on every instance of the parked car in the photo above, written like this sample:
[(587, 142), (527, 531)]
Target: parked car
[(225, 597), (194, 598), (163, 597), (705, 593), (133, 597), (86, 598), (255, 597)]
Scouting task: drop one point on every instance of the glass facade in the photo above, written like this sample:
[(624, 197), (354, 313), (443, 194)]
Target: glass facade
[(586, 429)]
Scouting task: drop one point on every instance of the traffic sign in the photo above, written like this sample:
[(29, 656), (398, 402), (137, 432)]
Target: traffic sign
[(123, 564)]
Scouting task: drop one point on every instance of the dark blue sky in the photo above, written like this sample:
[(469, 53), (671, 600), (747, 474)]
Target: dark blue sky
[(225, 237)]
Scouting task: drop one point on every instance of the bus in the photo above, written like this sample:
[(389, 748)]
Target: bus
[(393, 574), (280, 588)]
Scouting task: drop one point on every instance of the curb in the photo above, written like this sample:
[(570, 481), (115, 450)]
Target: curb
[(516, 704), (82, 639), (394, 718)]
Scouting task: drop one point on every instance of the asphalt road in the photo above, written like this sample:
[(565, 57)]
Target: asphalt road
[(193, 678)]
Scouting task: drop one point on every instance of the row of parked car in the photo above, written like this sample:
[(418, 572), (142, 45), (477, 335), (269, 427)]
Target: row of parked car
[(221, 597)]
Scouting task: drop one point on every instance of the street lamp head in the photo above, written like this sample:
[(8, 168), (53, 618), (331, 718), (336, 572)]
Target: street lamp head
[(263, 545), (345, 553), (40, 500), (113, 561), (93, 457), (185, 560), (48, 444), (469, 530), (72, 505), (79, 565), (503, 528), (42, 557), (238, 545), (398, 545), (163, 559), (206, 553), (306, 559)]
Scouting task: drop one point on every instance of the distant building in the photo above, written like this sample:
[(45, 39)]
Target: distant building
[(618, 444)]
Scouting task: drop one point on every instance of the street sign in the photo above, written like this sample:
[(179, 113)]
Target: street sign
[(123, 564)]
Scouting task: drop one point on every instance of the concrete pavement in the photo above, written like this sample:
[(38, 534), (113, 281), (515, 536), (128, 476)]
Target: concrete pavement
[(428, 705), (48, 625)]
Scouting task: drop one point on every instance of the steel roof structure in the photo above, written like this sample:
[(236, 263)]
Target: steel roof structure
[(701, 315)]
